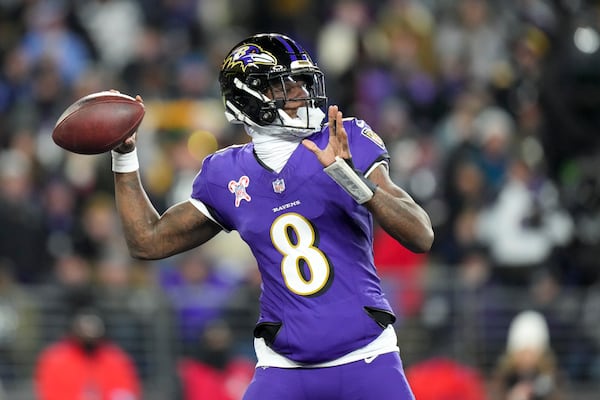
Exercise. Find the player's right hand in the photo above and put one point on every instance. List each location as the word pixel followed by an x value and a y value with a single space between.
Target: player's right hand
pixel 128 144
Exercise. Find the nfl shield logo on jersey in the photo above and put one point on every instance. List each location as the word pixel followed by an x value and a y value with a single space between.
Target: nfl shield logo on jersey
pixel 278 185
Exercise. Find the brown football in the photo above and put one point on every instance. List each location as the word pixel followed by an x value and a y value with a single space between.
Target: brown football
pixel 98 122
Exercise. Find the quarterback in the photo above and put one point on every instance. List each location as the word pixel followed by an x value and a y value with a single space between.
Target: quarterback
pixel 304 194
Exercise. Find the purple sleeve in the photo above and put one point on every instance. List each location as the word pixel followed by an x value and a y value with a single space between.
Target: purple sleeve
pixel 366 146
pixel 201 192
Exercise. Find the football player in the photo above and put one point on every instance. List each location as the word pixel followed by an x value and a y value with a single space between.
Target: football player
pixel 302 194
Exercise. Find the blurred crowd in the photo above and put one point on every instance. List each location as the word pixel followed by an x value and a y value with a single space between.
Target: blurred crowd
pixel 487 107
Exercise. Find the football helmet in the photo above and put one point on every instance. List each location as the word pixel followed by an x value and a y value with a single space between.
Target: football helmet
pixel 254 78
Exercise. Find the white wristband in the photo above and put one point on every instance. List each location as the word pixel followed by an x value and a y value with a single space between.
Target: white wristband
pixel 125 162
pixel 354 184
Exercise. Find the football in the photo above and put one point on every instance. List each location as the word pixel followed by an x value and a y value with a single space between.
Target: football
pixel 98 122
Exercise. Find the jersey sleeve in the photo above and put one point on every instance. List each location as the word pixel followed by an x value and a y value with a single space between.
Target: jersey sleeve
pixel 367 148
pixel 202 197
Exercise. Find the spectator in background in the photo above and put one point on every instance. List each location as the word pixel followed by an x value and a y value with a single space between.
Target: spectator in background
pixel 401 272
pixel 115 45
pixel 465 194
pixel 18 326
pixel 59 202
pixel 338 46
pixel 198 293
pixel 471 40
pixel 410 63
pixel 463 185
pixel 114 299
pixel 528 369
pixel 85 365
pixel 15 83
pixel 137 315
pixel 563 311
pixel 494 131
pixel 525 226
pixel 21 219
pixel 99 237
pixel 213 371
pixel 580 186
pixel 242 312
pixel 464 312
pixel 443 378
pixel 148 70
pixel 591 326
pixel 69 287
pixel 49 36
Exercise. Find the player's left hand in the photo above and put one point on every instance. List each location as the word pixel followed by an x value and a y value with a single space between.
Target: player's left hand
pixel 338 140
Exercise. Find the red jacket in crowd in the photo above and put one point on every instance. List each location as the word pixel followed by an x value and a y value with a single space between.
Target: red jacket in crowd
pixel 66 371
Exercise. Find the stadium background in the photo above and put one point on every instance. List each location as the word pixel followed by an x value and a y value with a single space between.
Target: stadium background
pixel 488 108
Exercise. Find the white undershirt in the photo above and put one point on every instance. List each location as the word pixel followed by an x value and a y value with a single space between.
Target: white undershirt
pixel 387 342
pixel 273 151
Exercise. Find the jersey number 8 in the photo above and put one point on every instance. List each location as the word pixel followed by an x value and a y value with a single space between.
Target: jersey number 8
pixel 294 237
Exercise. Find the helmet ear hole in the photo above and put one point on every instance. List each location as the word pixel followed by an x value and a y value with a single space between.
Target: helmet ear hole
pixel 267 116
pixel 255 83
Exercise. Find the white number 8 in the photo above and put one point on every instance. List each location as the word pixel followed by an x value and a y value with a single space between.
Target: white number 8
pixel 302 250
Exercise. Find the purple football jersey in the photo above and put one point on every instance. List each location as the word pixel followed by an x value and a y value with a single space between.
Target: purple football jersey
pixel 311 240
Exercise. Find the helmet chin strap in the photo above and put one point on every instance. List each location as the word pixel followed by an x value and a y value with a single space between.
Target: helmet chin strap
pixel 309 119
